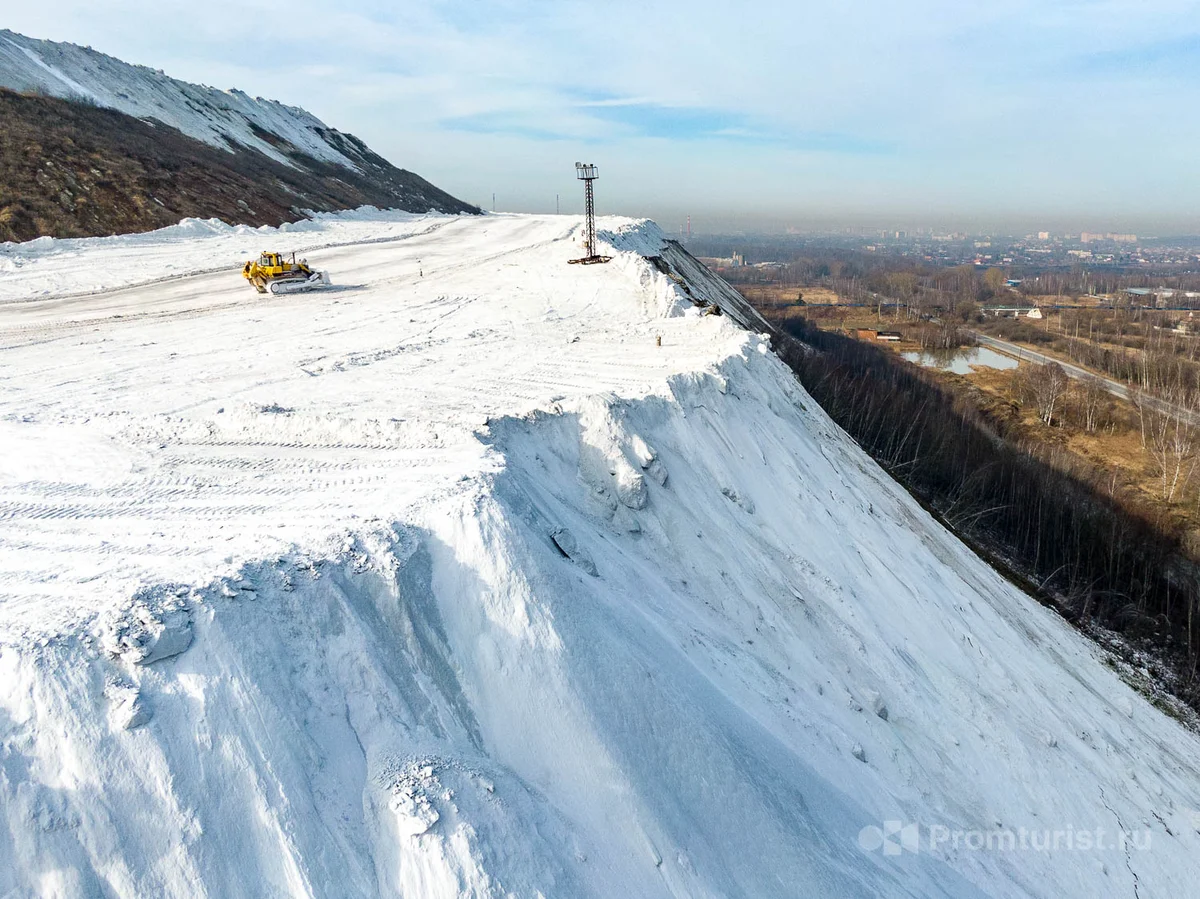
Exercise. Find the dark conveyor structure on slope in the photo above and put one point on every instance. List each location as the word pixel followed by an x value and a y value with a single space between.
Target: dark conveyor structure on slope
pixel 588 173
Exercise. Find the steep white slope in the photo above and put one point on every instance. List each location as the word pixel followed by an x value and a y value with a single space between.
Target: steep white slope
pixel 456 583
pixel 223 119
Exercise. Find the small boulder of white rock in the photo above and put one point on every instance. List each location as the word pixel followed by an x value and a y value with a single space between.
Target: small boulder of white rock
pixel 878 705
pixel 631 485
pixel 643 452
pixel 147 633
pixel 570 547
pixel 745 502
pixel 126 709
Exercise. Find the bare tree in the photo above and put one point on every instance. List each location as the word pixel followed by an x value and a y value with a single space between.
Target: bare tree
pixel 993 280
pixel 1092 398
pixel 1046 385
pixel 1171 440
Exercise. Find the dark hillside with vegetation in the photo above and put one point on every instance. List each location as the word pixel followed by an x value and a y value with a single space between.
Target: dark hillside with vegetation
pixel 69 169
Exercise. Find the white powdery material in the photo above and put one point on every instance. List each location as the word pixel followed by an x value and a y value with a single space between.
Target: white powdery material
pixel 47 267
pixel 385 591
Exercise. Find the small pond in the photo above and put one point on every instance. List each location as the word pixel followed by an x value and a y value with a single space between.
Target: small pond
pixel 962 360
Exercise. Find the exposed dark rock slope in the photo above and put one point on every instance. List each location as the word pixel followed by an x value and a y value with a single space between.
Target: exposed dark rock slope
pixel 68 169
pixel 91 145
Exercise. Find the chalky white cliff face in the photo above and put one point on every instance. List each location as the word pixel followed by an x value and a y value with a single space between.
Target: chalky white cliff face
pixel 453 581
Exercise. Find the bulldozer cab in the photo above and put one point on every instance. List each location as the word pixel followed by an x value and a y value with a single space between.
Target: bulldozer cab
pixel 275 263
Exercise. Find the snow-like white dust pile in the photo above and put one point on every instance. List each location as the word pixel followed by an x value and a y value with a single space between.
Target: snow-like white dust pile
pixel 491 575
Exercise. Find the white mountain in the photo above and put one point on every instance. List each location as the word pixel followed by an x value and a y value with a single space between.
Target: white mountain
pixel 492 575
pixel 226 119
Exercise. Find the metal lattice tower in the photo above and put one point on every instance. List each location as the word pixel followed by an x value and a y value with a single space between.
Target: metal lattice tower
pixel 587 173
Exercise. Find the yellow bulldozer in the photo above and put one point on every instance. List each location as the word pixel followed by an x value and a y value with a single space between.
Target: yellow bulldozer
pixel 271 273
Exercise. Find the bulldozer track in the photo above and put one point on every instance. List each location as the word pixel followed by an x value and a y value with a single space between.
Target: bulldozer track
pixel 219 269
pixel 57 327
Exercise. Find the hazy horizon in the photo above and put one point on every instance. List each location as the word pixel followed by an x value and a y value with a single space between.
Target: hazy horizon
pixel 867 224
pixel 1061 116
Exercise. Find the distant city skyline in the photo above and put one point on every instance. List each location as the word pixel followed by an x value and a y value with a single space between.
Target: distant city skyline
pixel 1018 115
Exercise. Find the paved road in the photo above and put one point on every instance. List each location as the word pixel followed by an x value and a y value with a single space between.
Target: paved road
pixel 1116 388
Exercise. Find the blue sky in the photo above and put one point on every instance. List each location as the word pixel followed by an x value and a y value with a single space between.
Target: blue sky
pixel 911 112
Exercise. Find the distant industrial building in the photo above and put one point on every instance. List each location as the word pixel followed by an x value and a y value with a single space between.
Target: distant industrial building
pixel 737 260
pixel 1013 311
pixel 1162 296
pixel 1090 237
pixel 872 334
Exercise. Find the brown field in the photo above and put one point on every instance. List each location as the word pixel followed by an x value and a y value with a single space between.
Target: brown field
pixel 1115 450
pixel 787 294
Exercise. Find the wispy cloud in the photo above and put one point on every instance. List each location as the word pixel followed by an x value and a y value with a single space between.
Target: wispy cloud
pixel 499 123
pixel 579 114
pixel 779 104
pixel 674 122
